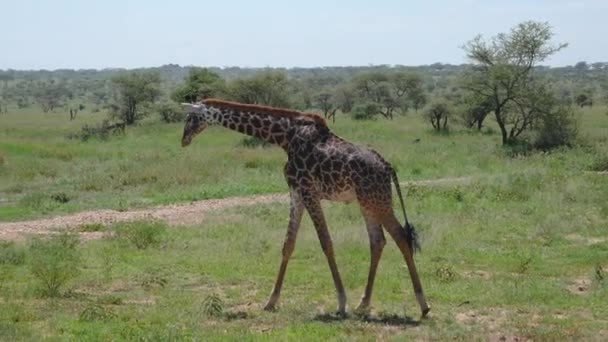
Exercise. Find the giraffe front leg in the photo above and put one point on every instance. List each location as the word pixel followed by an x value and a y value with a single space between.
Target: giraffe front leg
pixel 313 206
pixel 295 217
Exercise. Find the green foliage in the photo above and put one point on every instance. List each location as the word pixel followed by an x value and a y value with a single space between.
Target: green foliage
pixel 212 306
pixel 503 70
pixel 266 88
pixel 11 254
pixel 584 99
pixel 54 261
pixel 600 163
pixel 438 114
pixel 135 92
pixel 101 131
pixel 51 94
pixel 170 112
pixel 366 111
pixel 201 83
pixel 141 234
pixel 558 127
pixel 95 312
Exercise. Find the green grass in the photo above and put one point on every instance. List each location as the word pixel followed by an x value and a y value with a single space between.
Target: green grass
pixel 520 251
pixel 148 167
pixel 501 257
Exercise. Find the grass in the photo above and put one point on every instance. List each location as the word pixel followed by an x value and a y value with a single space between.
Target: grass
pixel 44 173
pixel 513 256
pixel 520 251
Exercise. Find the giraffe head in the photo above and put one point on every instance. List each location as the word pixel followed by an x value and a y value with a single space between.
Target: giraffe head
pixel 196 121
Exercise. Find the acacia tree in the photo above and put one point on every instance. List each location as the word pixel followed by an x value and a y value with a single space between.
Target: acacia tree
pixel 51 94
pixel 134 92
pixel 475 110
pixel 326 101
pixel 503 66
pixel 200 84
pixel 266 88
pixel 438 114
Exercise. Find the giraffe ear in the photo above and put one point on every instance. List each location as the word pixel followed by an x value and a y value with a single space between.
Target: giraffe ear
pixel 191 108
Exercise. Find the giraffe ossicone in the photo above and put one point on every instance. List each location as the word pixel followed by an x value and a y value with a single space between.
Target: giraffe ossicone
pixel 320 166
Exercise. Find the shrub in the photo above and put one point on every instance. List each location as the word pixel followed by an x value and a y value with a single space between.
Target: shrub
pixel 365 111
pixel 54 262
pixel 95 312
pixel 212 306
pixel 141 234
pixel 60 197
pixel 102 131
pixel 557 128
pixel 600 164
pixel 170 112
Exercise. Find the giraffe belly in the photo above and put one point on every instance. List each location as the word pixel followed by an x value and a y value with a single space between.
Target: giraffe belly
pixel 344 196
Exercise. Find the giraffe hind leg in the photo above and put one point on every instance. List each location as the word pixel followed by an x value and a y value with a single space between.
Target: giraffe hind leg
pixel 398 233
pixel 376 244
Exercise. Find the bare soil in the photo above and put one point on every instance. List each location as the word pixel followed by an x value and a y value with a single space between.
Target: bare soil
pixel 174 214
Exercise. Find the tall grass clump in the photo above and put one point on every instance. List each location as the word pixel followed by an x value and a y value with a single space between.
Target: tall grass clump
pixel 141 234
pixel 54 262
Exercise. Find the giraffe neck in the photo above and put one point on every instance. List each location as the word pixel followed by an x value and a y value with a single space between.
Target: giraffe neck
pixel 268 128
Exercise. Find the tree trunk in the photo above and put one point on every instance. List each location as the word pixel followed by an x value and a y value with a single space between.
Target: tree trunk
pixel 501 124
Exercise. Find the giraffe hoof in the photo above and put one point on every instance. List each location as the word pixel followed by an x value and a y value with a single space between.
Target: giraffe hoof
pixel 270 307
pixel 341 314
pixel 362 310
pixel 425 311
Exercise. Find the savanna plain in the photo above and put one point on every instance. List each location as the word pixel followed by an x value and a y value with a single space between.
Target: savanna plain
pixel 513 244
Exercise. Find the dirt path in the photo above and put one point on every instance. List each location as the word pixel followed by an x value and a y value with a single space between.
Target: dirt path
pixel 175 214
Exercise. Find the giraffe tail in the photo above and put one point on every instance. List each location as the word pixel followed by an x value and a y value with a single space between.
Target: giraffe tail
pixel 411 236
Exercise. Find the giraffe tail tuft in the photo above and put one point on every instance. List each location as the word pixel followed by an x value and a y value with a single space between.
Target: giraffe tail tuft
pixel 411 237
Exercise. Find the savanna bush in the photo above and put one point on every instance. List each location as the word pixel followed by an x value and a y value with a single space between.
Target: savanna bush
pixel 170 112
pixel 54 261
pixel 365 111
pixel 557 128
pixel 141 234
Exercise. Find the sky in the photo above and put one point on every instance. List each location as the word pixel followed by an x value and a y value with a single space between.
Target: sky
pixel 80 34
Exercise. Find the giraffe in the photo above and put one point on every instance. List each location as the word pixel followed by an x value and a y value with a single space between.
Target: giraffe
pixel 320 166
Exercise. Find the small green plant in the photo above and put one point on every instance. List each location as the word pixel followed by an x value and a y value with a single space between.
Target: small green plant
pixel 600 274
pixel 445 273
pixel 524 265
pixel 60 197
pixel 253 142
pixel 54 262
pixel 600 164
pixel 90 227
pixel 212 306
pixel 152 279
pixel 11 254
pixel 141 234
pixel 95 312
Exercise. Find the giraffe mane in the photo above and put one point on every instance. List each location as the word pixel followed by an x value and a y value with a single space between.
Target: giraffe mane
pixel 272 111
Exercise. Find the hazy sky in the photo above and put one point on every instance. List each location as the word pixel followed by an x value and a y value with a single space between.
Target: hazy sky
pixel 55 34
